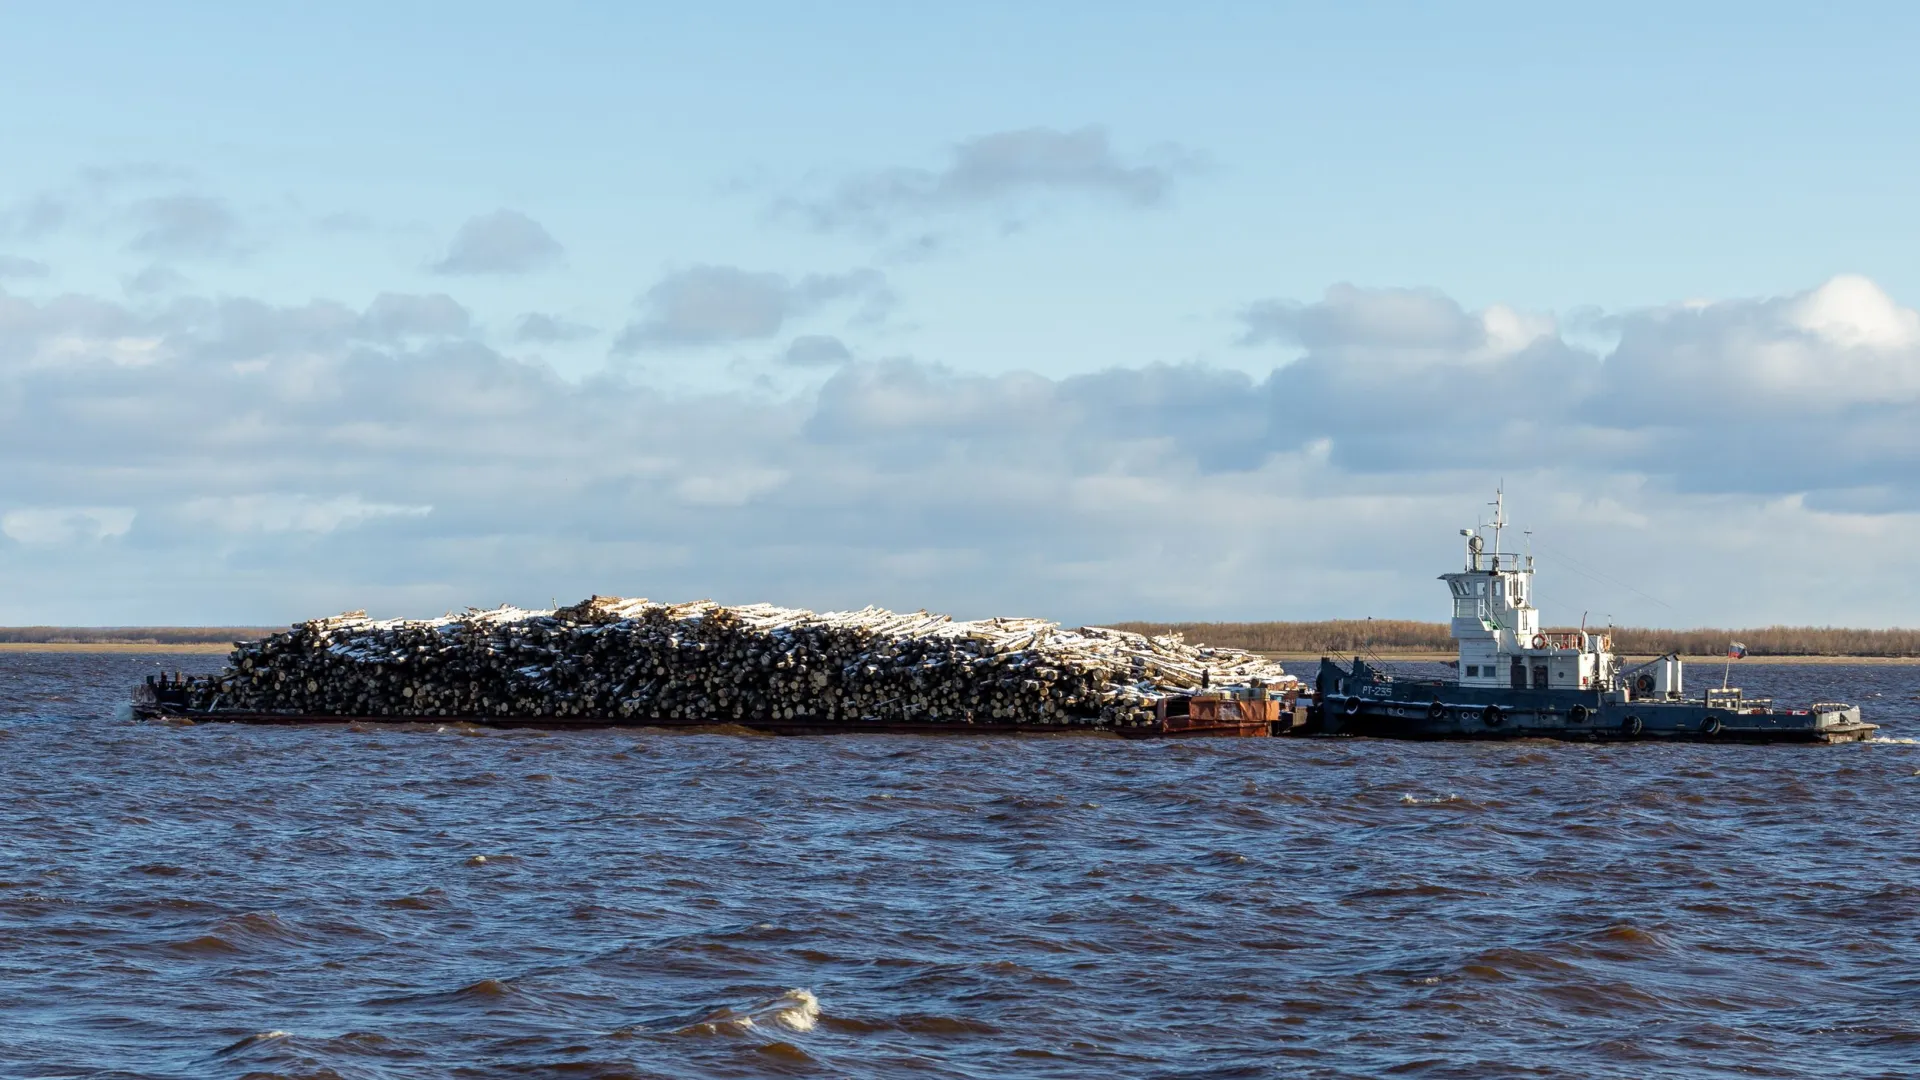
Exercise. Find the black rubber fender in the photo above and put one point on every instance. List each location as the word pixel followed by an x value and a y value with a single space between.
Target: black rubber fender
pixel 1577 714
pixel 1631 727
pixel 1352 707
pixel 1436 712
pixel 1492 716
pixel 1710 726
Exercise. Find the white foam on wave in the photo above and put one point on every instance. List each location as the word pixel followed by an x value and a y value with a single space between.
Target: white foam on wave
pixel 253 1040
pixel 1414 800
pixel 795 1010
pixel 1893 741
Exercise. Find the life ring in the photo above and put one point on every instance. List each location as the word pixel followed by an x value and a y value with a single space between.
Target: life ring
pixel 1577 714
pixel 1710 726
pixel 1353 706
pixel 1643 685
pixel 1436 711
pixel 1492 717
pixel 1539 641
pixel 1631 727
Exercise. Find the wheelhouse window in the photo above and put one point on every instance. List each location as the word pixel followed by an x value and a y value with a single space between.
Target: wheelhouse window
pixel 1473 671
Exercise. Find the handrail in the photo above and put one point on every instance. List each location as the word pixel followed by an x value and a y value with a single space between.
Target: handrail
pixel 1572 639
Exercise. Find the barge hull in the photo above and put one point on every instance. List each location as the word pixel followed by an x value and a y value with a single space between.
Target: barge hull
pixel 796 726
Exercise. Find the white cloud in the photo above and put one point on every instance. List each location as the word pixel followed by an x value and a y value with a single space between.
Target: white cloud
pixel 376 458
pixel 712 305
pixel 277 513
pixel 15 266
pixel 735 488
pixel 503 242
pixel 64 525
pixel 1004 171
pixel 184 226
pixel 1851 310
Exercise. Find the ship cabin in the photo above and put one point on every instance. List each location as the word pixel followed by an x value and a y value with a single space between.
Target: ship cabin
pixel 1498 630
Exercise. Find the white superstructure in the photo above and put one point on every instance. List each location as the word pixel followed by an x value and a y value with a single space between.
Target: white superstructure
pixel 1498 628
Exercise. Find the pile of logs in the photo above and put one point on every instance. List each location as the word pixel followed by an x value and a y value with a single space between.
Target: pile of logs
pixel 635 660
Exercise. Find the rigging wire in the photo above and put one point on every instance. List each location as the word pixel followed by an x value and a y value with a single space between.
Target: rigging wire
pixel 1591 574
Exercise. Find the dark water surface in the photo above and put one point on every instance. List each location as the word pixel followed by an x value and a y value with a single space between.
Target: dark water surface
pixel 224 901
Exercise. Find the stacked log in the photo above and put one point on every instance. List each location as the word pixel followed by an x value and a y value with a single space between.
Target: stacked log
pixel 637 661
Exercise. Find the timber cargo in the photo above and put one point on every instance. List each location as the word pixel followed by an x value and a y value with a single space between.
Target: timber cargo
pixel 608 661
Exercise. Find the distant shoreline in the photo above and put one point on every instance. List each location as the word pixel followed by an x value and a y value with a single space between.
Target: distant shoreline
pixel 115 647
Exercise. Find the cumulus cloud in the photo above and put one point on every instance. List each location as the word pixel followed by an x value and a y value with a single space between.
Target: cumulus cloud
pixel 35 217
pixel 1392 326
pixel 1776 395
pixel 398 315
pixel 183 226
pixel 816 350
pixel 267 461
pixel 539 328
pixel 14 266
pixel 275 512
pixel 60 525
pixel 999 170
pixel 503 242
pixel 712 305
pixel 154 280
pixel 343 221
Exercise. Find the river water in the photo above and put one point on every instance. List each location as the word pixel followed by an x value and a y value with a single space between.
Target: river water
pixel 332 901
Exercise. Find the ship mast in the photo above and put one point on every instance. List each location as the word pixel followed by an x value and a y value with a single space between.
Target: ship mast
pixel 1499 521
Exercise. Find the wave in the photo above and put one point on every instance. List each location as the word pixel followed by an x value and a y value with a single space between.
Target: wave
pixel 796 1010
pixel 241 933
pixel 252 1041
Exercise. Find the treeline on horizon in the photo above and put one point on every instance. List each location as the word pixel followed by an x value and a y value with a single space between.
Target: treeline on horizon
pixel 1338 637
pixel 131 635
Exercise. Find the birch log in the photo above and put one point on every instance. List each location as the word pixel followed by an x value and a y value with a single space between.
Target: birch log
pixel 631 661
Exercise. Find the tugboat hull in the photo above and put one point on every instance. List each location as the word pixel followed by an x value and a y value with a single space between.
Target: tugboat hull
pixel 1360 702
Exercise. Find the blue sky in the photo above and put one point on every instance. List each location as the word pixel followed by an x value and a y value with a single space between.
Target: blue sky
pixel 988 309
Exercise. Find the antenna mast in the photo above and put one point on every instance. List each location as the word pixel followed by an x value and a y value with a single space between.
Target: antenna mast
pixel 1499 521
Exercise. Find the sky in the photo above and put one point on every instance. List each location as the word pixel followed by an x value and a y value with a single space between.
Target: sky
pixel 1093 312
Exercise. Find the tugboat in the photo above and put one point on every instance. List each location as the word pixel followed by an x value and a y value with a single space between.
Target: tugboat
pixel 1515 681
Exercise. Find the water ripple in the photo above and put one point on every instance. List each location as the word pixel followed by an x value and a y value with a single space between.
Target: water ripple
pixel 430 900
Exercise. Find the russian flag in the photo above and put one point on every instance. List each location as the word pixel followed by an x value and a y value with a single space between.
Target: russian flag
pixel 1736 650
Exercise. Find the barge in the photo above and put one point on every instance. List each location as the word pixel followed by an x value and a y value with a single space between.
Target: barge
pixel 610 662
pixel 1229 712
pixel 613 662
pixel 1513 680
